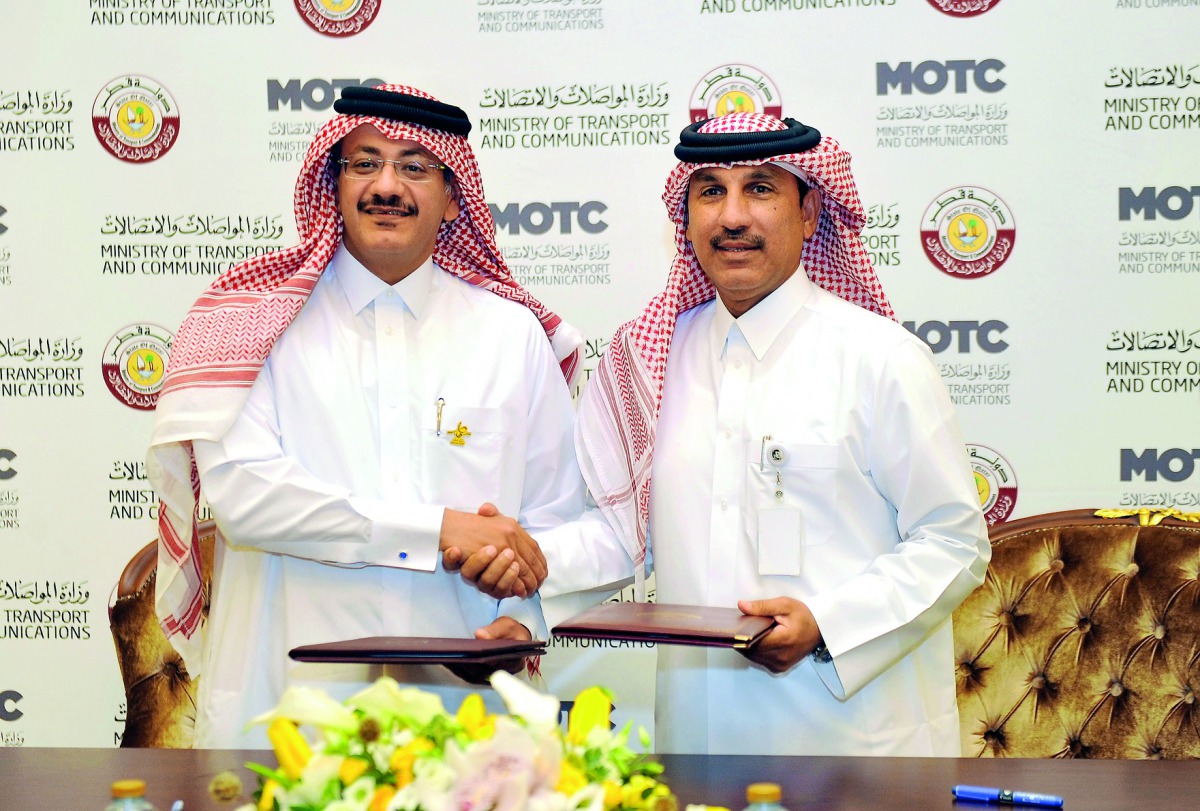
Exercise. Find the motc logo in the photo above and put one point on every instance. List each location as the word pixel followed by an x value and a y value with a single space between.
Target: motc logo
pixel 940 335
pixel 7 471
pixel 1172 203
pixel 313 94
pixel 1173 464
pixel 931 77
pixel 538 218
pixel 8 705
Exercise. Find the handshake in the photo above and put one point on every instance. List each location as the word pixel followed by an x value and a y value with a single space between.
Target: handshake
pixel 502 560
pixel 493 552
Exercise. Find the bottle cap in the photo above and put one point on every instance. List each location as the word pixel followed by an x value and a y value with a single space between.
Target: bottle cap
pixel 763 793
pixel 128 788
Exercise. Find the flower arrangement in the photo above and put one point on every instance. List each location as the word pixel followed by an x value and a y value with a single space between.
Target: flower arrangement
pixel 390 748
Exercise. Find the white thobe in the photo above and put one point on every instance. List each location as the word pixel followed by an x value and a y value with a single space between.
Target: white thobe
pixel 331 485
pixel 883 531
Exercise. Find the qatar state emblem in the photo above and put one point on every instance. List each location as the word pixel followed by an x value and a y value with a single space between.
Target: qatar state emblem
pixel 135 119
pixel 964 8
pixel 735 89
pixel 338 18
pixel 968 232
pixel 995 482
pixel 134 362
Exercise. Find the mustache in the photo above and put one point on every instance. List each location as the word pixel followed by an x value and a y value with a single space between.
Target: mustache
pixel 748 240
pixel 392 201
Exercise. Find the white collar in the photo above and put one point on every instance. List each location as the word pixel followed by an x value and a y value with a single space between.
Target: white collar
pixel 763 322
pixel 362 287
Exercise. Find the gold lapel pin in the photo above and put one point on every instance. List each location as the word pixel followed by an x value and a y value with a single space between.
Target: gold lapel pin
pixel 459 434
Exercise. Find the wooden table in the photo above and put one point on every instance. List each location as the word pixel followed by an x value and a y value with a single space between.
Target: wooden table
pixel 78 780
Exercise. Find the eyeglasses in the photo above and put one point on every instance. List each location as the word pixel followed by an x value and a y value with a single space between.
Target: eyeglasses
pixel 410 170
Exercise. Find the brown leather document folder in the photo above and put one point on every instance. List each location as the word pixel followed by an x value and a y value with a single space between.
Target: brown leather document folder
pixel 418 650
pixel 668 624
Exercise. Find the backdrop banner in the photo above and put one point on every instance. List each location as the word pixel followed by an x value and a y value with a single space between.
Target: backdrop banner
pixel 1030 170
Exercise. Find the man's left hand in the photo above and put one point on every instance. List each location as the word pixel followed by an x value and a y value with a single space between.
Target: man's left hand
pixel 794 636
pixel 499 628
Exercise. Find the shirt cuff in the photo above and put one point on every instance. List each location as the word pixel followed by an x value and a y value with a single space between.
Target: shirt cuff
pixel 405 537
pixel 528 612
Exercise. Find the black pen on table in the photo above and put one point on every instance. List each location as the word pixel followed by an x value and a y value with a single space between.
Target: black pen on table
pixel 984 794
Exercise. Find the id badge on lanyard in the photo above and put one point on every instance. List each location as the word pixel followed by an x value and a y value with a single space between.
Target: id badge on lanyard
pixel 780 528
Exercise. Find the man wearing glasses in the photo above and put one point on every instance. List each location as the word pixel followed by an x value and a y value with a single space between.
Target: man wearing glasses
pixel 346 407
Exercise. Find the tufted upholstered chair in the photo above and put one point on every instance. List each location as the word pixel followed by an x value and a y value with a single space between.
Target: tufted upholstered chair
pixel 1084 640
pixel 160 705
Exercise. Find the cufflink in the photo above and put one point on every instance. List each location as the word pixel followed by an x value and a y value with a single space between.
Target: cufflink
pixel 821 653
pixel 403 556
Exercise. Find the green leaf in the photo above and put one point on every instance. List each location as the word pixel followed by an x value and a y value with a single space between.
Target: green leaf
pixel 271 774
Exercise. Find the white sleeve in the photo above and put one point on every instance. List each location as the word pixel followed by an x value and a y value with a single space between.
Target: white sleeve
pixel 919 463
pixel 553 491
pixel 585 555
pixel 264 499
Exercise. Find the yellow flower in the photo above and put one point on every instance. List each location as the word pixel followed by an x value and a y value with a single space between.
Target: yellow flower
pixel 645 793
pixel 352 769
pixel 405 756
pixel 570 779
pixel 473 715
pixel 590 712
pixel 383 795
pixel 612 795
pixel 266 801
pixel 290 747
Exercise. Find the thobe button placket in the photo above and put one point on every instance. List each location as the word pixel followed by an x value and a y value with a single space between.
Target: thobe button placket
pixel 392 371
pixel 396 426
pixel 727 476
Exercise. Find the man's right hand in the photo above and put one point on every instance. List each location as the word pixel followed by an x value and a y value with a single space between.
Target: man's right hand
pixel 493 552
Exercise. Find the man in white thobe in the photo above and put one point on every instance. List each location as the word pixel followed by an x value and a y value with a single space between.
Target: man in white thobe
pixel 344 443
pixel 780 444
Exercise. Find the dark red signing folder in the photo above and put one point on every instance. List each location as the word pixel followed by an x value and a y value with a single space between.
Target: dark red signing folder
pixel 419 650
pixel 668 624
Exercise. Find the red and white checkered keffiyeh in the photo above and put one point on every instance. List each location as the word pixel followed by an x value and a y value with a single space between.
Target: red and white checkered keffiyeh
pixel 228 334
pixel 619 410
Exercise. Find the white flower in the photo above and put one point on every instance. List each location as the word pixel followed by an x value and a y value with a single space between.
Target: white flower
pixel 381 751
pixel 435 774
pixel 551 801
pixel 385 701
pixel 304 705
pixel 319 772
pixel 588 798
pixel 408 799
pixel 346 804
pixel 539 710
pixel 359 792
pixel 500 773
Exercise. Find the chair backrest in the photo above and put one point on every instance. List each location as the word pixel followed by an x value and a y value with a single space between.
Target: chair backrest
pixel 160 696
pixel 1084 640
